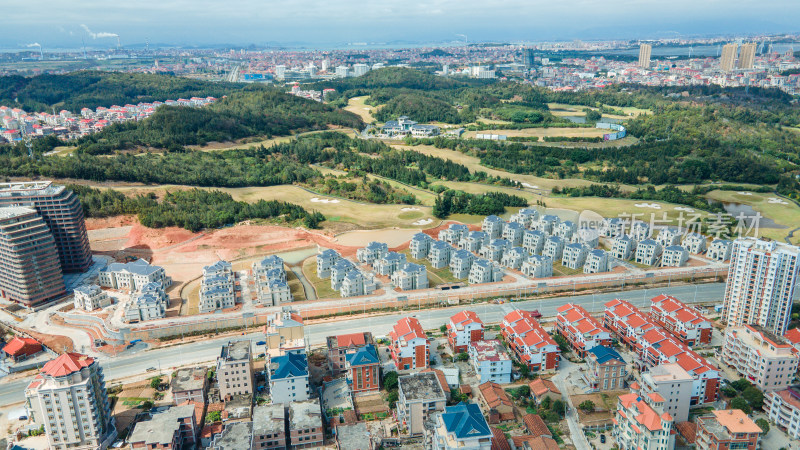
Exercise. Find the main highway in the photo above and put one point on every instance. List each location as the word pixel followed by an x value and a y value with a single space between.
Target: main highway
pixel 167 357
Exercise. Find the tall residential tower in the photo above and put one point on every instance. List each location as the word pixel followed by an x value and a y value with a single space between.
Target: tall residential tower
pixel 644 55
pixel 728 57
pixel 747 56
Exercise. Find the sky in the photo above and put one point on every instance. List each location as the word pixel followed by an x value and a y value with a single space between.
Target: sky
pixel 327 23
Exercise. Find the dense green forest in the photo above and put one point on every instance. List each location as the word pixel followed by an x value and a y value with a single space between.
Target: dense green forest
pixel 193 209
pixel 459 202
pixel 90 89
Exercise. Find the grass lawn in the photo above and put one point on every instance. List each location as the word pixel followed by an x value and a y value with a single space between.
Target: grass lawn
pixel 322 287
pixel 295 286
pixel 192 290
pixel 561 270
pixel 435 276
pixel 785 215
pixel 357 106
pixel 542 132
pixel 424 197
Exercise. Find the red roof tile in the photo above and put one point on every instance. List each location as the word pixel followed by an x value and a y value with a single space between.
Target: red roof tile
pixel 66 364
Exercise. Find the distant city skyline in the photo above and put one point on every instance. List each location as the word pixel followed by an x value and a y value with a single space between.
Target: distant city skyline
pixel 325 24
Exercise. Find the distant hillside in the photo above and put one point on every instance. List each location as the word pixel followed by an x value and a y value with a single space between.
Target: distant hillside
pixel 90 89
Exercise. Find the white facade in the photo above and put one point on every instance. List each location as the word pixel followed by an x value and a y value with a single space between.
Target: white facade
pixel 473 241
pixel 420 245
pixel 133 275
pixel 546 223
pixel 525 217
pixel 783 409
pixel 90 297
pixel 674 385
pixel 217 287
pixel 720 250
pixel 674 256
pixel 490 361
pixel 148 304
pixel 533 241
pixel 669 236
pixel 390 263
pixel 493 226
pixel 648 252
pixel 460 263
pixel 325 261
pixel 596 261
pixel 553 248
pixel 694 243
pixel 483 271
pixel 411 276
pixel 623 247
pixel 356 283
pixel 574 256
pixel 453 234
pixel 439 254
pixel 494 250
pixel 767 361
pixel 372 252
pixel 513 232
pixel 513 258
pixel 536 266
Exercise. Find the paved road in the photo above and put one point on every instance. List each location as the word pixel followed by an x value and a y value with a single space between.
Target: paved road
pixel 207 350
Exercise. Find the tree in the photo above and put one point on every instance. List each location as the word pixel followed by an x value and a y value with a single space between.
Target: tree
pixel 562 343
pixel 740 403
pixel 523 391
pixel 463 356
pixel 213 416
pixel 443 328
pixel 754 397
pixel 763 424
pixel 546 403
pixel 587 406
pixel 559 407
pixel 390 380
pixel 729 392
pixel 741 384
pixel 155 382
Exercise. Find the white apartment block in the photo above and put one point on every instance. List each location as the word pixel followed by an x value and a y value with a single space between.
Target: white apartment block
pixel 694 243
pixel 768 361
pixel 760 287
pixel 90 297
pixel 648 252
pixel 411 276
pixel 587 236
pixel 460 263
pixel 453 234
pixel 546 223
pixel 439 254
pixel 674 256
pixel 275 293
pixel 553 248
pixel 490 361
pixel 720 250
pixel 372 252
pixel 783 409
pixel 574 256
pixel 483 271
pixel 565 230
pixel 420 245
pixel 513 232
pixel 391 262
pixel 596 261
pixel 70 401
pixel 473 241
pixel 525 217
pixel 493 226
pixel 217 290
pixel 338 271
pixel 641 423
pixel 669 236
pixel 612 227
pixel 513 258
pixel 533 241
pixel 640 231
pixel 494 250
pixel 325 261
pixel 537 266
pixel 623 247
pixel 674 385
pixel 356 283
pixel 133 275
pixel 288 378
pixel 148 304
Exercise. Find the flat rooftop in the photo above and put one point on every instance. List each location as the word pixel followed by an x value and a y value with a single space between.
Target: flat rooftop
pixel 268 419
pixel 9 212
pixel 421 386
pixel 235 436
pixel 353 436
pixel 236 351
pixel 305 414
pixel 161 427
pixel 190 379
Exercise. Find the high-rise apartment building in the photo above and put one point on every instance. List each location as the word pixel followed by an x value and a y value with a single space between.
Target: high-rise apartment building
pixel 728 57
pixel 747 56
pixel 644 55
pixel 528 58
pixel 760 287
pixel 235 370
pixel 69 399
pixel 31 270
pixel 62 212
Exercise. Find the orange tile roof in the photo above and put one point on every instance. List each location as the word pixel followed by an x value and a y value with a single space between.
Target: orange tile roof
pixel 793 336
pixel 535 425
pixel 466 318
pixel 540 386
pixel 21 346
pixel 499 440
pixel 736 421
pixel 350 340
pixel 66 364
pixel 494 395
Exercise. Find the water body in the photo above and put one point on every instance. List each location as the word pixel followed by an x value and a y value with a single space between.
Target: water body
pixel 750 215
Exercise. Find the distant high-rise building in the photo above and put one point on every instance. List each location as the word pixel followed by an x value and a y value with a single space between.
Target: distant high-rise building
pixel 445 70
pixel 70 401
pixel 62 212
pixel 280 72
pixel 326 64
pixel 728 57
pixel 760 286
pixel 746 56
pixel 342 71
pixel 360 69
pixel 644 55
pixel 527 58
pixel 31 272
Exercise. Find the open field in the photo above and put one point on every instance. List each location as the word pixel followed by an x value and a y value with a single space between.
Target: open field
pixel 357 106
pixel 321 287
pixel 541 132
pixel 787 215
pixel 562 109
pixel 255 142
pixel 424 197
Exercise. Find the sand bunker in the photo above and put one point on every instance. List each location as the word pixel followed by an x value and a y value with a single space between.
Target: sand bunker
pixel 745 193
pixel 648 205
pixel 684 209
pixel 422 222
pixel 409 209
pixel 324 200
pixel 776 201
pixel 531 186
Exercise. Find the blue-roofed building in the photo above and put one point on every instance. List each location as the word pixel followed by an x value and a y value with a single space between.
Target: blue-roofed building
pixel 494 250
pixel 391 262
pixel 473 241
pixel 133 275
pixel 325 261
pixel 363 370
pixel 460 263
pixel 607 369
pixel 372 252
pixel 596 261
pixel 462 427
pixel 419 245
pixel 288 378
pixel 453 234
pixel 493 226
pixel 439 254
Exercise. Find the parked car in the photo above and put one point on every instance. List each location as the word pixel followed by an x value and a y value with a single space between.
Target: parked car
pixel 602 438
pixel 536 314
pixel 151 369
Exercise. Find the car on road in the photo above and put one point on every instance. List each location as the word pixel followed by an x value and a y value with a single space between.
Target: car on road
pixel 536 314
pixel 261 343
pixel 602 438
pixel 151 369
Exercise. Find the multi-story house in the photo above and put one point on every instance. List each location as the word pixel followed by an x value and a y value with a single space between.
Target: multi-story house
pixel 411 276
pixel 525 217
pixel 234 435
pixel 495 249
pixel 596 261
pixel 648 252
pixel 269 427
pixel 339 346
pixel 694 243
pixel 325 261
pixel 265 267
pixel 529 342
pixel 669 236
pixel 288 378
pixel 453 234
pixel 390 263
pixel 626 322
pixel 357 283
pixel 761 280
pixel 306 429
pixel 217 287
pixel 623 247
pixel 640 231
pixel 536 266
pixel 172 428
pixel 546 223
pixel 490 361
pixel 674 385
pixel 274 293
pixel 420 245
pixel 493 226
pixel 512 232
pixel 684 322
pixel 553 248
pixel 587 236
pixel 460 263
pixel 90 297
pixel 612 227
pixel 338 271
pixel 235 370
pixel 606 370
pixel 565 230
pixel 473 241
pixel 69 400
pixel 727 429
pixel 767 360
pixel 783 409
pixel 148 304
pixel 674 256
pixel 362 368
pixel 133 275
pixel 372 252
pixel 463 329
pixel 409 347
pixel 284 332
pixel 439 254
pixel 462 427
pixel 419 396
pixel 641 423
pixel 582 331
pixel 189 384
pixel 533 241
pixel 484 271
pixel 574 256
pixel 514 257
pixel 720 250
